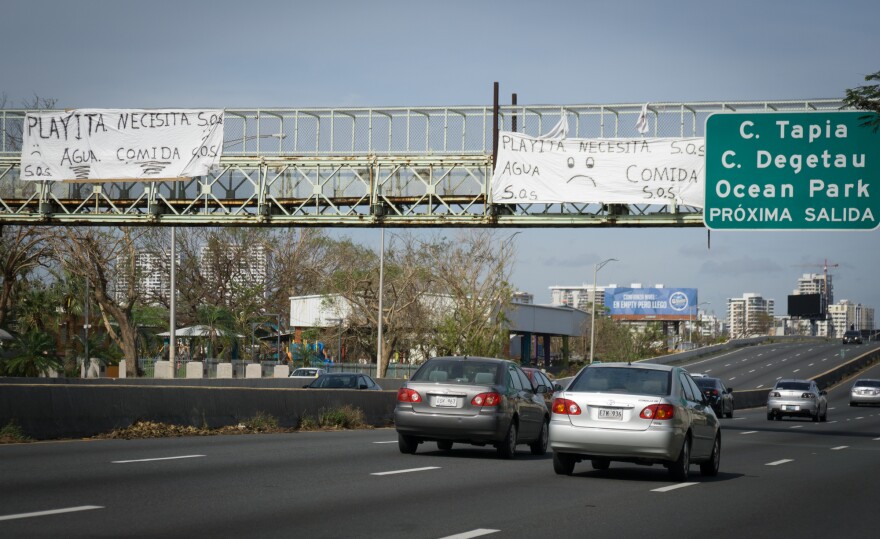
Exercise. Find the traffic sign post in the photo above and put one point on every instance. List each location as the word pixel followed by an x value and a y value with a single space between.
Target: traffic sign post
pixel 792 171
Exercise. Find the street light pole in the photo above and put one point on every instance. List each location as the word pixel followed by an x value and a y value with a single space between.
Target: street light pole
pixel 596 268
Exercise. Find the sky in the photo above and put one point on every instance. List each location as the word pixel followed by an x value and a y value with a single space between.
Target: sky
pixel 288 54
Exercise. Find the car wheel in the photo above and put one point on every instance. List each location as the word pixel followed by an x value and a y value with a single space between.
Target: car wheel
pixel 563 464
pixel 710 467
pixel 407 444
pixel 852 404
pixel 507 448
pixel 730 412
pixel 444 445
pixel 815 418
pixel 824 417
pixel 769 416
pixel 600 464
pixel 539 446
pixel 680 468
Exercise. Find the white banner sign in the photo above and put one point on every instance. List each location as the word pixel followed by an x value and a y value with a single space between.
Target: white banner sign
pixel 605 171
pixel 120 144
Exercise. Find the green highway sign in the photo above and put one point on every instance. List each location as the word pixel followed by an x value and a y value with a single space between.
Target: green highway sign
pixel 792 171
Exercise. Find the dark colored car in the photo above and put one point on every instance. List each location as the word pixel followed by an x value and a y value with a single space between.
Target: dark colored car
pixel 719 397
pixel 344 380
pixel 538 378
pixel 852 337
pixel 472 400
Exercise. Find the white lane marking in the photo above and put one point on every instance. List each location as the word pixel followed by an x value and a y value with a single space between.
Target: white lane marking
pixel 796 370
pixel 767 365
pixel 830 422
pixel 749 432
pixel 740 418
pixel 473 533
pixel 877 439
pixel 51 512
pixel 426 468
pixel 152 460
pixel 673 487
pixel 728 365
pixel 779 378
pixel 751 371
pixel 796 427
pixel 861 417
pixel 825 359
pixel 811 364
pixel 708 370
pixel 810 350
pixel 732 378
pixel 838 448
pixel 391 442
pixel 778 462
pixel 760 386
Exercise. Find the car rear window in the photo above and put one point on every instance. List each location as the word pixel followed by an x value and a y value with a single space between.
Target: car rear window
pixel 456 371
pixel 705 383
pixel 797 386
pixel 622 380
pixel 867 383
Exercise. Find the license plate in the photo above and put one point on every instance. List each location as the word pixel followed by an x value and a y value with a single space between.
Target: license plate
pixel 791 408
pixel 445 401
pixel 606 413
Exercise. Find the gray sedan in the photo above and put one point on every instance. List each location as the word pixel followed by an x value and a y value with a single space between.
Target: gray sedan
pixel 472 400
pixel 644 414
pixel 865 391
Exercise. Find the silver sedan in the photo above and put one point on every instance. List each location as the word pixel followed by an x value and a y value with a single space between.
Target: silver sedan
pixel 797 398
pixel 865 391
pixel 644 414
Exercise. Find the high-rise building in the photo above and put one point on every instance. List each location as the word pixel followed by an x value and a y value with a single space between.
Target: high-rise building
pixel 152 281
pixel 816 283
pixel 749 316
pixel 234 265
pixel 578 297
pixel 846 315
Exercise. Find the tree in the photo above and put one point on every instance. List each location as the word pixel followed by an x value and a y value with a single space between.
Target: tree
pixel 33 354
pixel 22 250
pixel 471 292
pixel 866 97
pixel 102 256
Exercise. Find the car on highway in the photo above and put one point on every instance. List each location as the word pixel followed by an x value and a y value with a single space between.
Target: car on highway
pixel 719 397
pixel 793 397
pixel 471 400
pixel 307 372
pixel 643 414
pixel 344 380
pixel 864 391
pixel 852 337
pixel 538 378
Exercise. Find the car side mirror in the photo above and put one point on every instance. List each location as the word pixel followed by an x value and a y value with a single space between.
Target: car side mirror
pixel 362 386
pixel 557 387
pixel 306 386
pixel 823 392
pixel 541 389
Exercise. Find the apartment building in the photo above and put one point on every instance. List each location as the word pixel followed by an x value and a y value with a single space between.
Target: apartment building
pixel 750 316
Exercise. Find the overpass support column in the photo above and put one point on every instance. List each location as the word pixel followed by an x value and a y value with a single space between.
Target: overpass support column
pixel 566 351
pixel 526 348
pixel 546 339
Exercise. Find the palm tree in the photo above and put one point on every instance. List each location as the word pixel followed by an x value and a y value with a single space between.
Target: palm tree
pixel 33 354
pixel 221 324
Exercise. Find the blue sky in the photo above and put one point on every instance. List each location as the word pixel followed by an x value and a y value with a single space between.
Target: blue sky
pixel 234 54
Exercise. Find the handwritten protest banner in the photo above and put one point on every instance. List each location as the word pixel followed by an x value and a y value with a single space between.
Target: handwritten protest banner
pixel 607 171
pixel 120 144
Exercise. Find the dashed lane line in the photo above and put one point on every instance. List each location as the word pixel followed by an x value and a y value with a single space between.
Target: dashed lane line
pixel 410 470
pixel 153 460
pixel 838 448
pixel 778 462
pixel 796 427
pixel 51 512
pixel 389 442
pixel 749 432
pixel 473 533
pixel 673 487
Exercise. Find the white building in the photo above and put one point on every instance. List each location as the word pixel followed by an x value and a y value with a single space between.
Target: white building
pixel 152 281
pixel 241 265
pixel 579 297
pixel 746 315
pixel 816 283
pixel 846 314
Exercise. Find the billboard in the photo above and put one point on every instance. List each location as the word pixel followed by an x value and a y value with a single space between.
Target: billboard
pixel 651 303
pixel 806 306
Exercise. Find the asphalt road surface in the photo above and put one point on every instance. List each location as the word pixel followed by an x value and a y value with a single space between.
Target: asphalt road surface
pixel 792 478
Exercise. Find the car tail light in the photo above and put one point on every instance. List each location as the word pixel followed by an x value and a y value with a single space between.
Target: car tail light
pixel 658 412
pixel 808 396
pixel 715 392
pixel 487 399
pixel 565 406
pixel 408 395
pixel 775 394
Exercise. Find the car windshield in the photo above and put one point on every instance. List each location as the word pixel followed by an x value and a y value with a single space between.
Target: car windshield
pixel 705 383
pixel 868 383
pixel 796 386
pixel 852 333
pixel 330 381
pixel 622 380
pixel 454 371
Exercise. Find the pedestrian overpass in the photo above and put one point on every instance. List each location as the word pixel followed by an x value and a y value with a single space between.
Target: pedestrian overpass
pixel 363 167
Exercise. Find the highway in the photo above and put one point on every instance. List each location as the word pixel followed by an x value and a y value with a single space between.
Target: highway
pixel 785 479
